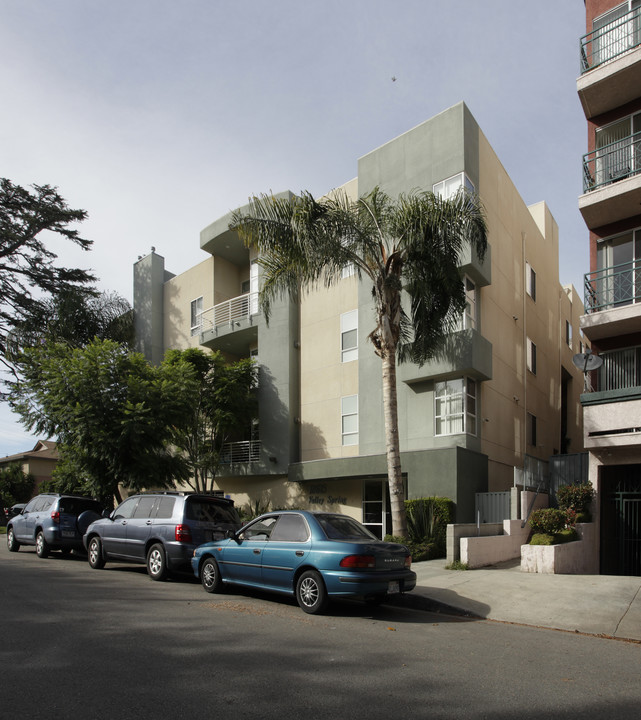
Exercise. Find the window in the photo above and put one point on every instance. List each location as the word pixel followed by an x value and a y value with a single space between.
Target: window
pixel 349 419
pixel 260 529
pixel 617 149
pixel 125 509
pixel 455 407
pixel 377 515
pixel 531 429
pixel 467 321
pixel 349 336
pixel 531 356
pixel 618 277
pixel 290 528
pixel 530 281
pixel 568 333
pixel 145 507
pixel 614 33
pixel 448 188
pixel 348 270
pixel 196 316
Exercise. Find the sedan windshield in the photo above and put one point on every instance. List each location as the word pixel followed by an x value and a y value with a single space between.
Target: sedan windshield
pixel 341 527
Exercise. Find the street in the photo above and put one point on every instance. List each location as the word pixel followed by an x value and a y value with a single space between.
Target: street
pixel 112 643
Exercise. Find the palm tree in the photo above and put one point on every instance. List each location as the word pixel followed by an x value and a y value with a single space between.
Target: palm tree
pixel 409 249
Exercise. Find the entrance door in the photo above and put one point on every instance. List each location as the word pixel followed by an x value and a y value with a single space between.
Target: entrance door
pixel 621 520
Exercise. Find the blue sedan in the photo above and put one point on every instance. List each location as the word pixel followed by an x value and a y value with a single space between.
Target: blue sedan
pixel 314 556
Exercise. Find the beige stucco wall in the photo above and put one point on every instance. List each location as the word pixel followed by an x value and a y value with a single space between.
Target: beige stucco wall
pixel 324 378
pixel 520 235
pixel 178 294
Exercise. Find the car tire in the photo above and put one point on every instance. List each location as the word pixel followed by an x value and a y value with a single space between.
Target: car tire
pixel 311 594
pixel 42 546
pixel 12 543
pixel 157 562
pixel 94 553
pixel 210 576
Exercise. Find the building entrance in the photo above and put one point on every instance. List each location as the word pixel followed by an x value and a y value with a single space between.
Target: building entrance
pixel 621 520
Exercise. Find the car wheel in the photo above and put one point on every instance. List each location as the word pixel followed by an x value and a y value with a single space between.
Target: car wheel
pixel 94 554
pixel 210 576
pixel 311 594
pixel 12 543
pixel 42 546
pixel 157 562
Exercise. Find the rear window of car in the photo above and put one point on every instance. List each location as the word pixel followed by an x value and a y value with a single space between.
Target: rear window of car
pixel 76 506
pixel 211 511
pixel 341 527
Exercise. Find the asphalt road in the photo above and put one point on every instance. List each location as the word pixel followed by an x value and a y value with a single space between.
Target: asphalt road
pixel 83 643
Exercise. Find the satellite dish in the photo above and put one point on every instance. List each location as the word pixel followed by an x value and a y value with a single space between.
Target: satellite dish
pixel 587 361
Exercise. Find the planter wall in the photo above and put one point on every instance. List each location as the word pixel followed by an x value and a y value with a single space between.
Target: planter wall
pixel 574 558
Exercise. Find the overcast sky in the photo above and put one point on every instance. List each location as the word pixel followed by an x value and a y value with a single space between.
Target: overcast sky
pixel 157 117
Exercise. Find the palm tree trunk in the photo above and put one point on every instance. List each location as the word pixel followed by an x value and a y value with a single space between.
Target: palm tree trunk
pixel 395 477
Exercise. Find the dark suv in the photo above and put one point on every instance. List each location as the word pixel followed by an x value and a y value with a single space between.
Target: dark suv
pixel 52 522
pixel 159 529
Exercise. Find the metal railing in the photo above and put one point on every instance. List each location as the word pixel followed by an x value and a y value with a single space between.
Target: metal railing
pixel 243 451
pixel 229 311
pixel 618 160
pixel 621 369
pixel 613 287
pixel 610 41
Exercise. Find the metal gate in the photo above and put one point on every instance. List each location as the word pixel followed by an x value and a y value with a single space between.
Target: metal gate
pixel 492 507
pixel 621 520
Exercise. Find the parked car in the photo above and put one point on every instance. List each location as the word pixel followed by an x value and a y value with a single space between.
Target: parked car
pixel 314 556
pixel 14 510
pixel 52 522
pixel 160 530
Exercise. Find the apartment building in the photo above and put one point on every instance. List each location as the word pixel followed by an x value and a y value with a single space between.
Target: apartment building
pixel 610 92
pixel 503 396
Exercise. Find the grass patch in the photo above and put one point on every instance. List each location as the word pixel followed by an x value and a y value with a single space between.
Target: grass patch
pixel 564 536
pixel 457 565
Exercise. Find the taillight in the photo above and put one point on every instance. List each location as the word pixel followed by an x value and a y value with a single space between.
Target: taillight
pixel 183 533
pixel 408 561
pixel 55 516
pixel 358 561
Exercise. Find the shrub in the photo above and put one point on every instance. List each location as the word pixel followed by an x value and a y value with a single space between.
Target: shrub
pixel 418 550
pixel 548 520
pixel 575 497
pixel 563 536
pixel 427 520
pixel 457 565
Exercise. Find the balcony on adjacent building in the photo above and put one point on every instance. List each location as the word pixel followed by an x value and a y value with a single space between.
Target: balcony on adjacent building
pixel 230 325
pixel 611 62
pixel 242 451
pixel 612 301
pixel 612 181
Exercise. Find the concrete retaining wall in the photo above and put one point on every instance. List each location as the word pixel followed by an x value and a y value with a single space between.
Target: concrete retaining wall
pixel 482 551
pixel 574 558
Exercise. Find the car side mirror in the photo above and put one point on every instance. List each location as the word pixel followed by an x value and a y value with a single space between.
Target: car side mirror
pixel 106 513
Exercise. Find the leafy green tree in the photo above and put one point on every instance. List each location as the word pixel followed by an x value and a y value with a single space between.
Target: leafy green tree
pixel 223 405
pixel 112 413
pixel 15 485
pixel 28 272
pixel 75 317
pixel 408 249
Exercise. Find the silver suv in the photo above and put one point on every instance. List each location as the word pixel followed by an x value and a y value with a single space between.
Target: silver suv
pixel 52 522
pixel 160 530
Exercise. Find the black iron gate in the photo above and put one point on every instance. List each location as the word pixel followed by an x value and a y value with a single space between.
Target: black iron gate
pixel 621 520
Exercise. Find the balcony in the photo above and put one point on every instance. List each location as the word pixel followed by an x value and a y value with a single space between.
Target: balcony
pixel 230 325
pixel 611 297
pixel 611 182
pixel 243 451
pixel 611 65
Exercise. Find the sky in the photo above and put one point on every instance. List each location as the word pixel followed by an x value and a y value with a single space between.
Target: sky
pixel 157 117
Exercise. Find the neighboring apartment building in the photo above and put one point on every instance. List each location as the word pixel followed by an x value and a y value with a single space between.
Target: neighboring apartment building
pixel 610 92
pixel 503 395
pixel 39 462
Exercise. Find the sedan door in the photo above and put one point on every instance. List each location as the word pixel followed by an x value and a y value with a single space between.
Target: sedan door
pixel 288 547
pixel 241 561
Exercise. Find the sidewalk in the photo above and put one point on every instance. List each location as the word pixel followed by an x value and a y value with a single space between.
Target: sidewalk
pixel 593 604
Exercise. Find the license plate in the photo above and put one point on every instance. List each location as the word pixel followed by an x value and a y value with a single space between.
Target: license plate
pixel 68 533
pixel 393 587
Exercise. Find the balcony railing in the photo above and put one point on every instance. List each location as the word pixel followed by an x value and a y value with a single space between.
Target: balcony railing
pixel 229 311
pixel 243 451
pixel 621 370
pixel 611 41
pixel 613 287
pixel 613 162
